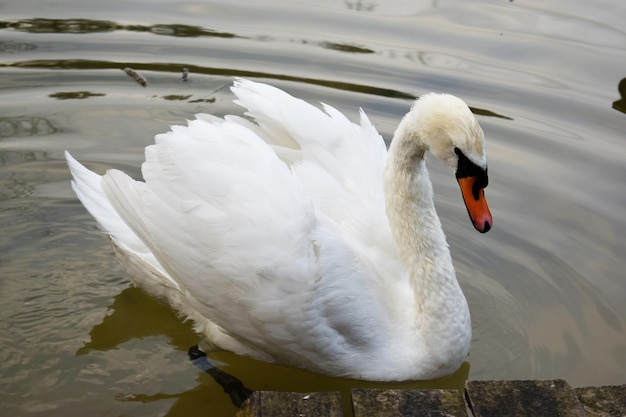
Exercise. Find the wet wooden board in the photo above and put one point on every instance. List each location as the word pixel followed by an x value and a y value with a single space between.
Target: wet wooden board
pixel 408 403
pixel 553 398
pixel 609 401
pixel 292 404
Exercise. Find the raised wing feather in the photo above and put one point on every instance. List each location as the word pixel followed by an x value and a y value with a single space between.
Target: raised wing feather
pixel 340 167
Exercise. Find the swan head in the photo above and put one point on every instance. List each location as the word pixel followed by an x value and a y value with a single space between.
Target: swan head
pixel 444 124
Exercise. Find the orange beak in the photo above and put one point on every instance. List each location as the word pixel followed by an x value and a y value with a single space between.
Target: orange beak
pixel 476 204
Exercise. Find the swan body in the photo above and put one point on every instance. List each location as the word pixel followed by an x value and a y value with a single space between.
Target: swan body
pixel 293 236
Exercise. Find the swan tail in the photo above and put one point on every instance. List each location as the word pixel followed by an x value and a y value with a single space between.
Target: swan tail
pixel 95 193
pixel 88 188
pixel 134 255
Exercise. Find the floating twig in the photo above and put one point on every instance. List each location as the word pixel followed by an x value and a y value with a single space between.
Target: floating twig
pixel 140 79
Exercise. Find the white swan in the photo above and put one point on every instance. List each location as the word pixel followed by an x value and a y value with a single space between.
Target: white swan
pixel 298 238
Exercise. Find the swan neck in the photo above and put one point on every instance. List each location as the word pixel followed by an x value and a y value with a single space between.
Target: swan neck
pixel 409 202
pixel 413 220
pixel 440 308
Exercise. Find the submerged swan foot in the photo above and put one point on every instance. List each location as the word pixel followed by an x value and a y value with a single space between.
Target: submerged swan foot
pixel 232 386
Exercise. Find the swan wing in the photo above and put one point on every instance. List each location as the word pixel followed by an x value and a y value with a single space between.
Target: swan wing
pixel 274 231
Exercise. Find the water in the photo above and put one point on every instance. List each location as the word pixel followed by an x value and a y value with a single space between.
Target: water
pixel 546 286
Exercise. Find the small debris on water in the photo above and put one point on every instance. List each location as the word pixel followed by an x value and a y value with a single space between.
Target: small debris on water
pixel 185 74
pixel 140 79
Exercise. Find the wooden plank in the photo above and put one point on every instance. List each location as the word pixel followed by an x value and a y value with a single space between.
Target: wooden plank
pixel 553 398
pixel 292 404
pixel 609 401
pixel 408 403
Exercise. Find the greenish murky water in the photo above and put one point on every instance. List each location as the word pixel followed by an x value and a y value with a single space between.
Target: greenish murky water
pixel 546 287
